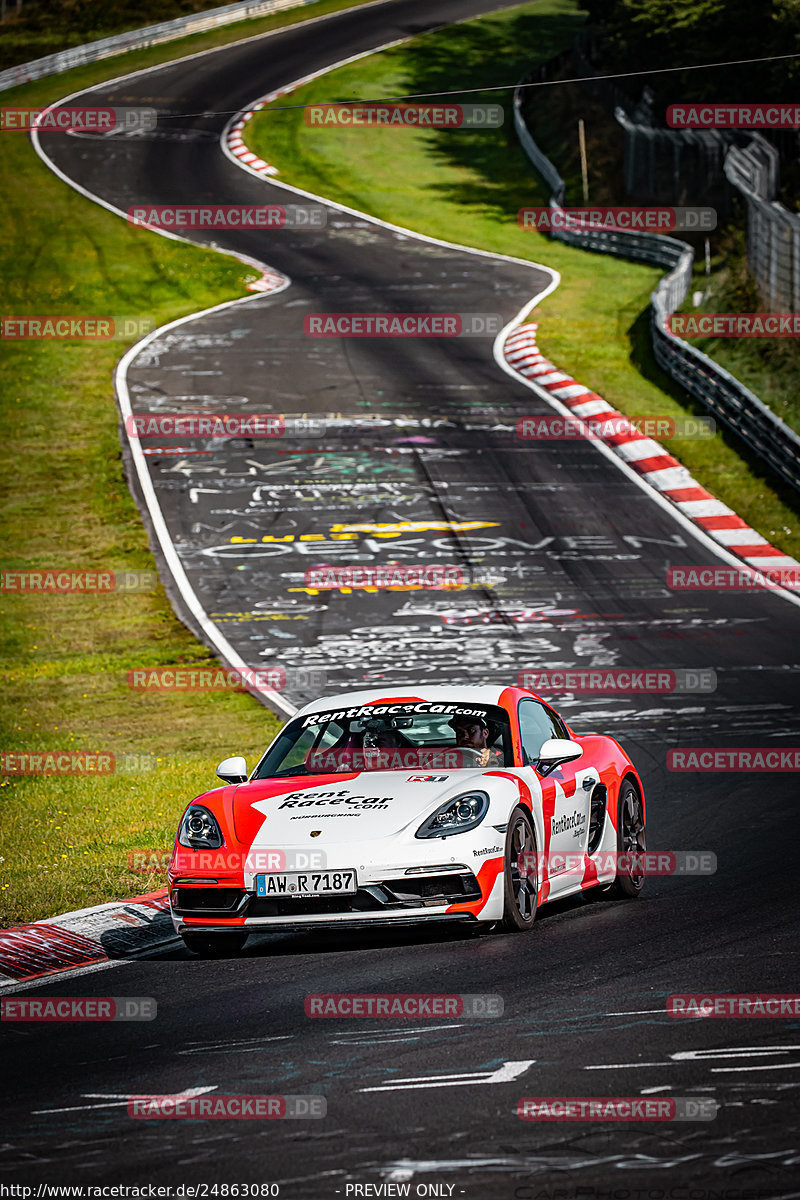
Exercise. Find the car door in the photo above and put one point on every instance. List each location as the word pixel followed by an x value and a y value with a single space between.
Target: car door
pixel 565 801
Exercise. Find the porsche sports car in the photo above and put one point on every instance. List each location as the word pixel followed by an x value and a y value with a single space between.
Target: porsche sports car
pixel 460 804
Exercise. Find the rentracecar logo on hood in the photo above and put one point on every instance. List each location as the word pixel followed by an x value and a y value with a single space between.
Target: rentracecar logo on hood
pixel 323 799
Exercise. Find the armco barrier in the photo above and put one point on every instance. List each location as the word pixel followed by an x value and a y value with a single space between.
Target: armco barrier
pixel 138 39
pixel 773 232
pixel 729 400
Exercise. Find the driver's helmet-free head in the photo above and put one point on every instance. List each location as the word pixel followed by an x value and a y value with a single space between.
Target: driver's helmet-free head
pixel 462 723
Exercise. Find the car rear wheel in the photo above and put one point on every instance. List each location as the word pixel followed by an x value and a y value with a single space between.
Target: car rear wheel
pixel 214 945
pixel 631 843
pixel 521 874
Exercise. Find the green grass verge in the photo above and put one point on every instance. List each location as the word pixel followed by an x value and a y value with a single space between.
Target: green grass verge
pixel 770 367
pixel 41 29
pixel 64 841
pixel 468 186
pixel 22 42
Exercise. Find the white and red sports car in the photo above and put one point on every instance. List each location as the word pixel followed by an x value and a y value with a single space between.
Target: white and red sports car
pixel 470 804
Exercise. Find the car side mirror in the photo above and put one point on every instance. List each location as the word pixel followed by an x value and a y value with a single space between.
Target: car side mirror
pixel 555 752
pixel 233 770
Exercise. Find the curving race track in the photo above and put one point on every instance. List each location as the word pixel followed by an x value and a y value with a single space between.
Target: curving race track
pixel 570 555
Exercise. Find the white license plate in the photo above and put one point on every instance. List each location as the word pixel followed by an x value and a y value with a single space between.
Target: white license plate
pixel 307 883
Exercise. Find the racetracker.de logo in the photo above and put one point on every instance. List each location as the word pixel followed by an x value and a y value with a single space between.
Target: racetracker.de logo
pixel 402 325
pixel 206 679
pixel 728 325
pixel 60 119
pixel 731 579
pixel 228 216
pixel 703 1004
pixel 627 218
pixel 733 116
pixel 205 425
pixel 616 1108
pixel 266 860
pixel 620 680
pixel 56 762
pixel 78 1008
pixel 333 761
pixel 547 428
pixel 404 116
pixel 725 759
pixel 226 1107
pixel 612 862
pixel 393 575
pixel 73 329
pixel 333 1004
pixel 67 580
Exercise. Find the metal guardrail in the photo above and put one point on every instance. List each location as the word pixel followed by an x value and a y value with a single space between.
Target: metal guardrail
pixel 773 232
pixel 138 39
pixel 726 398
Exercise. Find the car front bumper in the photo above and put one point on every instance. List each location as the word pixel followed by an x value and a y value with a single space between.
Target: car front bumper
pixel 401 897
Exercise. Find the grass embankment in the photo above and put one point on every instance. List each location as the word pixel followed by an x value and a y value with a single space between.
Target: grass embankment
pixel 468 186
pixel 770 367
pixel 64 841
pixel 47 29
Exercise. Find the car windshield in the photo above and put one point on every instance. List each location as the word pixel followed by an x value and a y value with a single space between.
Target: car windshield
pixel 402 736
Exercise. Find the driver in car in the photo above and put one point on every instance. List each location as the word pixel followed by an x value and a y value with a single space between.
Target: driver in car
pixel 474 734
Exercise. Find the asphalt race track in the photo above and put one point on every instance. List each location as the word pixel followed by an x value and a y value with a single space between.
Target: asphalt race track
pixel 569 558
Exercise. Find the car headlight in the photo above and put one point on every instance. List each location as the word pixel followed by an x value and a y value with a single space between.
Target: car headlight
pixel 456 816
pixel 200 829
